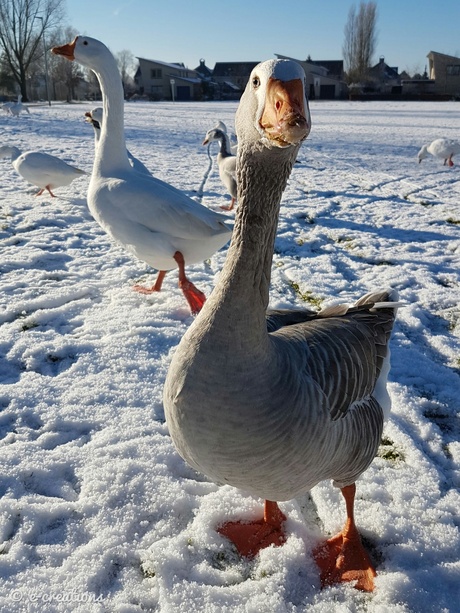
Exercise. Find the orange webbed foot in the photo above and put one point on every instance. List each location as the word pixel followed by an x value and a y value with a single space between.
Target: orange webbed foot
pixel 155 288
pixel 193 295
pixel 342 559
pixel 250 537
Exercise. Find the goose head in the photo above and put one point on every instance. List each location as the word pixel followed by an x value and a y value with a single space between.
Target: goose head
pixel 214 134
pixel 423 153
pixel 85 50
pixel 94 117
pixel 274 107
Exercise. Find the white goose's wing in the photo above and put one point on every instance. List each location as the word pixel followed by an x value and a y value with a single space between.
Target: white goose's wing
pixel 159 207
pixel 39 162
pixel 42 169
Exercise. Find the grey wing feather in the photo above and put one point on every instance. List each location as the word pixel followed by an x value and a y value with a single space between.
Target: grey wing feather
pixel 344 347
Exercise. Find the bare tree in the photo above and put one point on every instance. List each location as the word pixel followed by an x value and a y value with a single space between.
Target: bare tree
pixel 360 41
pixel 125 61
pixel 22 26
pixel 65 75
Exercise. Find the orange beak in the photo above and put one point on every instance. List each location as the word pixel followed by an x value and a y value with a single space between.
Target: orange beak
pixel 66 51
pixel 284 119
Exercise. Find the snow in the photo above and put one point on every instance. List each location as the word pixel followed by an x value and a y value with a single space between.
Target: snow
pixel 98 513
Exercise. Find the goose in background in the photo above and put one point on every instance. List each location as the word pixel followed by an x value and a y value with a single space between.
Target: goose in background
pixel 226 162
pixel 154 221
pixel 41 169
pixel 273 403
pixel 220 125
pixel 442 148
pixel 94 117
pixel 18 107
pixel 6 106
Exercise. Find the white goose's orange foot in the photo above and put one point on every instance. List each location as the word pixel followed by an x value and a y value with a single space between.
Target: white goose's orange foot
pixel 249 538
pixel 193 295
pixel 155 288
pixel 144 290
pixel 342 559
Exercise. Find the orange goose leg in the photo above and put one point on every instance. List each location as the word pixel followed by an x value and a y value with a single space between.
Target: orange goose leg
pixel 230 207
pixel 154 288
pixel 343 557
pixel 249 538
pixel 193 295
pixel 47 187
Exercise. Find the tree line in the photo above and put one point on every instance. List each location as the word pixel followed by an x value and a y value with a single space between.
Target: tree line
pixel 30 28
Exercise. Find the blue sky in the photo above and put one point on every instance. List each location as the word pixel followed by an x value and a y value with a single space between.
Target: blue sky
pixel 185 31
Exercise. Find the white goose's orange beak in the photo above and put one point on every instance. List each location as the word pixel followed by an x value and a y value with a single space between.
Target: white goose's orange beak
pixel 66 51
pixel 284 119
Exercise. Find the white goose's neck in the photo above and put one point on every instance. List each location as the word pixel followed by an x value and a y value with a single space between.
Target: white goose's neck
pixel 242 291
pixel 224 143
pixel 111 153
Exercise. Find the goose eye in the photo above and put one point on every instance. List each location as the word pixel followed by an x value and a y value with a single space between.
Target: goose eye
pixel 256 82
pixel 85 42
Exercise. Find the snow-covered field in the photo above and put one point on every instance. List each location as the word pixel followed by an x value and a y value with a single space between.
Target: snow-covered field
pixel 98 513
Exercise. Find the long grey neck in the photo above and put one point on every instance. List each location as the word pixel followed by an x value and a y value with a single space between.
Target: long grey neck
pixel 242 291
pixel 111 153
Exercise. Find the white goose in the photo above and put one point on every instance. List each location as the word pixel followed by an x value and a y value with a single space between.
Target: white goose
pixel 275 412
pixel 94 117
pixel 41 169
pixel 442 148
pixel 6 106
pixel 226 162
pixel 156 222
pixel 18 107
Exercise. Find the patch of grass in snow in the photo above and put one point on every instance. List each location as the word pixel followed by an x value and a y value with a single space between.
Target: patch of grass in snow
pixel 453 319
pixel 148 572
pixel 307 296
pixel 29 325
pixel 307 218
pixel 451 220
pixel 388 451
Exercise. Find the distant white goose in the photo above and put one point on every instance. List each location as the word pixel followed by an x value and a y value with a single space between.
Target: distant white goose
pixel 442 148
pixel 41 169
pixel 273 403
pixel 18 107
pixel 6 106
pixel 94 117
pixel 226 162
pixel 154 221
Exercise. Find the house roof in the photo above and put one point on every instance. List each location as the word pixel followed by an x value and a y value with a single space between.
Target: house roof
pixel 334 67
pixel 203 70
pixel 233 69
pixel 176 66
pixel 450 57
pixel 382 70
